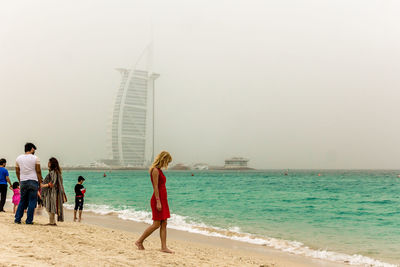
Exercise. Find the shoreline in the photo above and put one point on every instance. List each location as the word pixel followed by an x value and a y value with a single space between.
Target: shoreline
pixel 281 258
pixel 114 239
pixel 244 240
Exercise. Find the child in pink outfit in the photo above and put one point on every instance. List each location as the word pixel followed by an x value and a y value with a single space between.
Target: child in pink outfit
pixel 17 195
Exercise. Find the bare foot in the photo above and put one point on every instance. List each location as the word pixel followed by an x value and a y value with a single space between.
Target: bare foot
pixel 167 250
pixel 74 219
pixel 139 245
pixel 51 224
pixel 79 220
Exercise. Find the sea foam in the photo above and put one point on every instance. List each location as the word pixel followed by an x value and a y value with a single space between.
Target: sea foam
pixel 184 223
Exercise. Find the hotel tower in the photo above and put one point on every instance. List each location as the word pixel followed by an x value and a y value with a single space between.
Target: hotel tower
pixel 132 122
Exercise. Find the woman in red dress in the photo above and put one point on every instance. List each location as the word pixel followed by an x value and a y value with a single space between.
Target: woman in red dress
pixel 159 202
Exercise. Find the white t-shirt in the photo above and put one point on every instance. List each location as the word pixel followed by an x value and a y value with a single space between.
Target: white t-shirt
pixel 27 166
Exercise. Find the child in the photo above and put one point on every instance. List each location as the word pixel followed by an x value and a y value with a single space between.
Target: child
pixel 79 195
pixel 17 196
pixel 39 206
pixel 39 198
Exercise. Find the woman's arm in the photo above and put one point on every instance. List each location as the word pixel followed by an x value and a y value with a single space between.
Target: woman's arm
pixel 154 174
pixel 49 180
pixel 61 186
pixel 61 182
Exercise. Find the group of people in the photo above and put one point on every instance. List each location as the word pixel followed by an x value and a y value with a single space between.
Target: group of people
pixel 31 186
pixel 51 190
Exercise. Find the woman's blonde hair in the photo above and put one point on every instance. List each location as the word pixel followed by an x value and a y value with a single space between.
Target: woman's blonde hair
pixel 162 160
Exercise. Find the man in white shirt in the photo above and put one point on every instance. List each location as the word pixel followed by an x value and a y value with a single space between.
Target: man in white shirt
pixel 29 175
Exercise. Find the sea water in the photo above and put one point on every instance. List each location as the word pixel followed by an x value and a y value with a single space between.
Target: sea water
pixel 342 216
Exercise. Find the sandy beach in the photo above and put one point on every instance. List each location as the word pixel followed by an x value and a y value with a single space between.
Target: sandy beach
pixel 105 240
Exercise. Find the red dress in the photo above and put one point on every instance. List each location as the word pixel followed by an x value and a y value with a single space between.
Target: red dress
pixel 162 190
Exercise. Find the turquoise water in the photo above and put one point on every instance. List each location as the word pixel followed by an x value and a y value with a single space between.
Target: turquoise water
pixel 346 212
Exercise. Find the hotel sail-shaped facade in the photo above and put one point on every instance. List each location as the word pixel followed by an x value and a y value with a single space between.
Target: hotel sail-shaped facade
pixel 132 122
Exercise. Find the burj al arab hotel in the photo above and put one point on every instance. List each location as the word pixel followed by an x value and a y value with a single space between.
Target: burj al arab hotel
pixel 132 121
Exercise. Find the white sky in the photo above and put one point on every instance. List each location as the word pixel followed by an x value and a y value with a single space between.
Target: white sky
pixel 288 83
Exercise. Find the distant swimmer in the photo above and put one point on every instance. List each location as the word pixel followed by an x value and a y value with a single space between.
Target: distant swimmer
pixel 192 174
pixel 104 175
pixel 319 174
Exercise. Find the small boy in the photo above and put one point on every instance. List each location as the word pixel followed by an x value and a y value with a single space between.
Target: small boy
pixel 4 179
pixel 79 195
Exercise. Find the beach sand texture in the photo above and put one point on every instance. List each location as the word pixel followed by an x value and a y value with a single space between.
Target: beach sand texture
pixel 73 244
pixel 105 241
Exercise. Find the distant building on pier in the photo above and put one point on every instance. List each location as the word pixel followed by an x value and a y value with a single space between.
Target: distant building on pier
pixel 236 163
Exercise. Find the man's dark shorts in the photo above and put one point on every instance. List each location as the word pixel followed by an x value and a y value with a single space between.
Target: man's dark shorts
pixel 78 203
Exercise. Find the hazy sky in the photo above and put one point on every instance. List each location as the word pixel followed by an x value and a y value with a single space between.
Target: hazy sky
pixel 286 83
